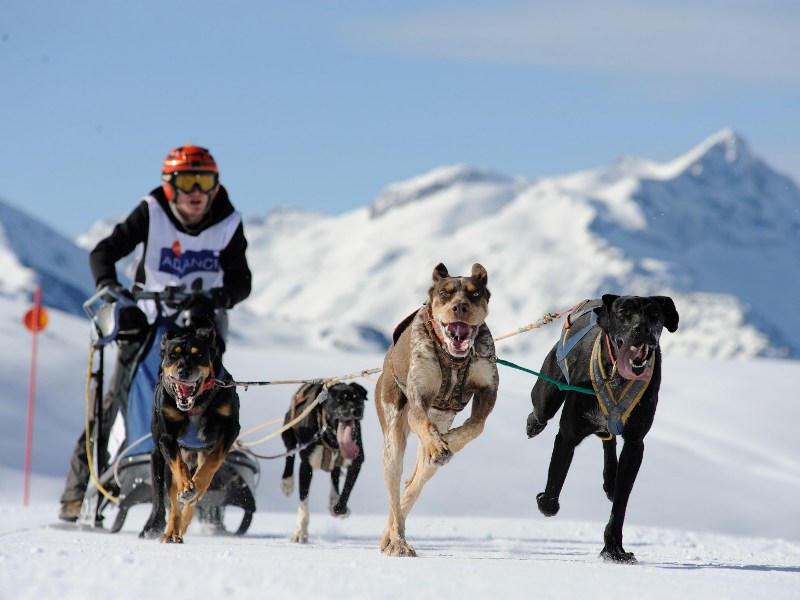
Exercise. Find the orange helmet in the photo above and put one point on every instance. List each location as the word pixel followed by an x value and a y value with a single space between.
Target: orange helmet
pixel 190 159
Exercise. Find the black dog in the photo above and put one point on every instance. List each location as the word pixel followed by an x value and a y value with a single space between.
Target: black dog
pixel 610 346
pixel 327 438
pixel 195 422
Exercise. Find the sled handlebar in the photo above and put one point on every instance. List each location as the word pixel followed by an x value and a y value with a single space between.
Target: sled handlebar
pixel 174 296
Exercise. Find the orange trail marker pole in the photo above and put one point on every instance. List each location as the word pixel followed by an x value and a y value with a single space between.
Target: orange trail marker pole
pixel 35 320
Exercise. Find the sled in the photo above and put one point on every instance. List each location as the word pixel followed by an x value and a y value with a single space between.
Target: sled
pixel 127 476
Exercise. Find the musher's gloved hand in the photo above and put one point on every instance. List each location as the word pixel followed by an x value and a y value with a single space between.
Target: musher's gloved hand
pixel 200 303
pixel 115 290
pixel 220 297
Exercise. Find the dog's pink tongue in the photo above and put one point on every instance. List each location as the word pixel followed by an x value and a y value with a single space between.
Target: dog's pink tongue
pixel 460 331
pixel 626 355
pixel 344 435
pixel 459 336
pixel 185 390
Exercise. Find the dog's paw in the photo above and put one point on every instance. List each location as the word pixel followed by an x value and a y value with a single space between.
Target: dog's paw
pixel 617 554
pixel 287 486
pixel 534 426
pixel 171 538
pixel 340 511
pixel 397 547
pixel 300 537
pixel 442 458
pixel 549 507
pixel 187 495
pixel 439 455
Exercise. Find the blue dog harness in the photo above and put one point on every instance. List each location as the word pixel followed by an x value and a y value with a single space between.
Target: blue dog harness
pixel 570 338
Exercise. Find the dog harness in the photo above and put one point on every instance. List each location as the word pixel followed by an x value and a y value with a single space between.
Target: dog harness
pixel 331 456
pixel 450 397
pixel 454 400
pixel 570 338
pixel 616 396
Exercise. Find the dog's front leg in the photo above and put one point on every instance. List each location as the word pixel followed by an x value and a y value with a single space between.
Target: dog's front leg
pixel 287 479
pixel 472 427
pixel 180 482
pixel 610 467
pixel 339 507
pixel 207 465
pixel 560 461
pixel 306 472
pixel 630 459
pixel 437 452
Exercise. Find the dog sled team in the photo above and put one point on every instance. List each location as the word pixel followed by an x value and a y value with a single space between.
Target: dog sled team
pixel 178 408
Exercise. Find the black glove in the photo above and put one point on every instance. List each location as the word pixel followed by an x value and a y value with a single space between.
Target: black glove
pixel 200 303
pixel 220 297
pixel 114 291
pixel 198 308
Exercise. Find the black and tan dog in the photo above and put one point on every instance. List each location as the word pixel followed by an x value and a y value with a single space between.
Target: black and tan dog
pixel 195 422
pixel 611 347
pixel 327 438
pixel 441 357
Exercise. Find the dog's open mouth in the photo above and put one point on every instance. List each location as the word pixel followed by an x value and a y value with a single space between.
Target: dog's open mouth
pixel 185 392
pixel 344 437
pixel 635 362
pixel 458 337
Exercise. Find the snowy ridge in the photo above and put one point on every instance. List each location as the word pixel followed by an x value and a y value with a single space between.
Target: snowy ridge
pixel 31 254
pixel 424 186
pixel 716 228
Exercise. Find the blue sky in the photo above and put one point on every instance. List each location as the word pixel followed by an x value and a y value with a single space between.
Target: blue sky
pixel 321 104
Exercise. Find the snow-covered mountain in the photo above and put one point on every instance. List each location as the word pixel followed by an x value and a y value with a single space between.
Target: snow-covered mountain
pixel 31 254
pixel 715 228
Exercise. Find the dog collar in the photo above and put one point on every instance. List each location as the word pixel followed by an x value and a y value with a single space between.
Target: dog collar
pixel 435 330
pixel 611 356
pixel 210 381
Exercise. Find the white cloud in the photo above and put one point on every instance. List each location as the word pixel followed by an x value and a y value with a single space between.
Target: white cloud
pixel 734 41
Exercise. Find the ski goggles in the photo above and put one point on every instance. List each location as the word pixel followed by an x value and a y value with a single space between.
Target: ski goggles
pixel 186 181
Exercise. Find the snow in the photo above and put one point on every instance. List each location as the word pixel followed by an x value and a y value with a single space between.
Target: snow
pixel 714 512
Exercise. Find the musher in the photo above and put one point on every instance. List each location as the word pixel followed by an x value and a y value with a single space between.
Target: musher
pixel 188 233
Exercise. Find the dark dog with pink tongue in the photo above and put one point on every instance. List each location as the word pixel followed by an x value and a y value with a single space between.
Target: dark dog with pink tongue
pixel 610 346
pixel 327 438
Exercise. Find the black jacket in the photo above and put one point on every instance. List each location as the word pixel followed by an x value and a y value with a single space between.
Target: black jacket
pixel 133 231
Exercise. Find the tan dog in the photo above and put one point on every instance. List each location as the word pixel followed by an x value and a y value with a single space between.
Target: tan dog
pixel 441 357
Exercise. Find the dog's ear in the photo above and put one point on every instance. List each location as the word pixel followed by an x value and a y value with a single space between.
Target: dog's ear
pixel 440 272
pixel 603 312
pixel 359 390
pixel 168 335
pixel 480 274
pixel 670 312
pixel 203 327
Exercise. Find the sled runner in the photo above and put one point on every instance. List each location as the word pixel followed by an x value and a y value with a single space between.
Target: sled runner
pixel 127 476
